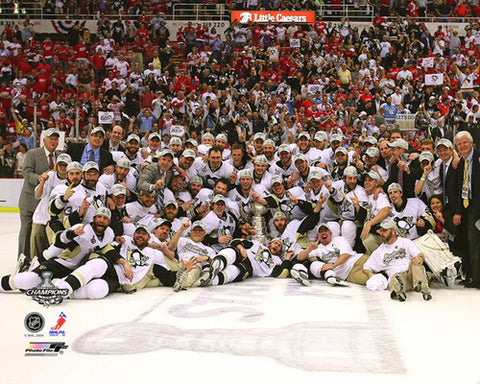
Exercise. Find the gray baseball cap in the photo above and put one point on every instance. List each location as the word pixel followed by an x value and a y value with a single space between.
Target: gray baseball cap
pixel 118 189
pixel 133 136
pixel 103 211
pixel 245 173
pixel 90 165
pixel 399 143
pixel 388 224
pixel 445 142
pixel 52 131
pixel 373 175
pixel 426 156
pixel 200 224
pixel 96 130
pixel 350 171
pixel 372 152
pixel 394 186
pixel 284 148
pixel 123 162
pixel 63 158
pixel 261 159
pixel 143 228
pixel 74 165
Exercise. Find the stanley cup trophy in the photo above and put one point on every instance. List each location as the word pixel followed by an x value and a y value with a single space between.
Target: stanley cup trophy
pixel 258 222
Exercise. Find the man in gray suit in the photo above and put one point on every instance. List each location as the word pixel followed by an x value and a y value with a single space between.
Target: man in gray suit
pixel 37 161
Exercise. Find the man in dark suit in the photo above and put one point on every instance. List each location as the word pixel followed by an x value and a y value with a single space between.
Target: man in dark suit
pixel 114 143
pixel 93 151
pixel 467 210
pixel 37 161
pixel 448 174
pixel 403 170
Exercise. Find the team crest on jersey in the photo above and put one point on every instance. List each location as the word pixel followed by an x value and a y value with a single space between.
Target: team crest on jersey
pixel 398 253
pixel 346 206
pixel 136 258
pixel 264 256
pixel 404 225
pixel 333 254
pixel 98 201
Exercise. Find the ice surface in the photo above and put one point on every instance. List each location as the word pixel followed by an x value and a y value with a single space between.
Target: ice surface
pixel 262 330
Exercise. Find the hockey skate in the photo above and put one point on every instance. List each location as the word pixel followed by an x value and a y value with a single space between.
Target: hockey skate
pixel 334 280
pixel 398 289
pixel 181 280
pixel 214 269
pixel 300 276
pixel 23 263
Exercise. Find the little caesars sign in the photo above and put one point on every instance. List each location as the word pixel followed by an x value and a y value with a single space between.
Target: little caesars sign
pixel 245 17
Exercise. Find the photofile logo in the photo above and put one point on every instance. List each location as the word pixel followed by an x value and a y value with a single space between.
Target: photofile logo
pixel 45 349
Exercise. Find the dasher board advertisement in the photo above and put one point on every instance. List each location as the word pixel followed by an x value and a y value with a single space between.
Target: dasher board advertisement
pixel 245 17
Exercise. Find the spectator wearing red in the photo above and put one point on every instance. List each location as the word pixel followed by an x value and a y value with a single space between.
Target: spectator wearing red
pixel 146 98
pixel 80 51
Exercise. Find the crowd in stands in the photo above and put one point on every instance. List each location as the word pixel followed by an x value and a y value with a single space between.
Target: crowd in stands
pixel 278 100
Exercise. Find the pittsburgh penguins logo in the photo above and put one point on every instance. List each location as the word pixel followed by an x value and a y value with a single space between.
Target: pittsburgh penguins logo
pixel 264 256
pixel 346 206
pixel 136 258
pixel 404 225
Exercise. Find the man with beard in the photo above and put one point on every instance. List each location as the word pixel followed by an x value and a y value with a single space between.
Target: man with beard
pixel 79 205
pixel 242 195
pixel 132 147
pixel 144 209
pixel 70 249
pixel 411 216
pixel 299 178
pixel 401 260
pixel 285 166
pixel 370 162
pixel 120 221
pixel 341 162
pixel 304 147
pixel 332 258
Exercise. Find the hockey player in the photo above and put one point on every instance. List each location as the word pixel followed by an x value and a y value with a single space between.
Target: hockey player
pixel 332 259
pixel 242 194
pixel 215 168
pixel 144 208
pixel 70 249
pixel 121 175
pixel 245 258
pixel 411 216
pixel 401 260
pixel 285 166
pixel 220 224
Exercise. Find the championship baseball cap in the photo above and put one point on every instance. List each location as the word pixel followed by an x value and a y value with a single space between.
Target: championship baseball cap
pixel 363 113
pixel 316 173
pixel 221 137
pixel 445 142
pixel 196 179
pixel 158 222
pixel 90 165
pixel 301 157
pixel 208 134
pixel 175 140
pixel 278 214
pixel 350 171
pixel 276 179
pixel 245 173
pixel 118 189
pixel 74 165
pixel 394 186
pixel 259 136
pixel 388 224
pixel 320 136
pixel 189 153
pixel 170 202
pixel 372 152
pixel 304 134
pixel 284 148
pixel 133 136
pixel 371 140
pixel 154 135
pixel 324 225
pixel 96 130
pixel 341 150
pixel 51 131
pixel 63 158
pixel 200 224
pixel 142 228
pixel 192 142
pixel 399 143
pixel 426 156
pixel 103 211
pixel 269 142
pixel 219 198
pixel 336 137
pixel 261 159
pixel 123 162
pixel 373 175
pixel 166 152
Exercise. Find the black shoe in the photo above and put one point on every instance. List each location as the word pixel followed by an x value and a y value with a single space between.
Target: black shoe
pixel 398 289
pixel 472 284
pixel 464 282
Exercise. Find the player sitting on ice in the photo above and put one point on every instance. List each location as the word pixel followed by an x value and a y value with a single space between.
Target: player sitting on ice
pixel 139 266
pixel 332 259
pixel 248 258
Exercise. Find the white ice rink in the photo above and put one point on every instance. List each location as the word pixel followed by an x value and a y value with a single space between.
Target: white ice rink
pixel 259 331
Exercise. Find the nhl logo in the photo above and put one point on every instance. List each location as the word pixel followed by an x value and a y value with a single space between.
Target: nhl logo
pixel 34 322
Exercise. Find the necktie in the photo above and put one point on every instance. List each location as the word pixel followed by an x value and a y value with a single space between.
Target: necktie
pixel 161 197
pixel 466 183
pixel 51 164
pixel 92 156
pixel 444 187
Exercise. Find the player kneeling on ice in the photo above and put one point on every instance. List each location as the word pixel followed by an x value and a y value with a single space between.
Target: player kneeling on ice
pixel 248 258
pixel 137 266
pixel 330 258
pixel 401 260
